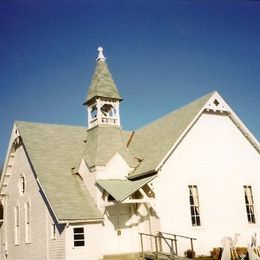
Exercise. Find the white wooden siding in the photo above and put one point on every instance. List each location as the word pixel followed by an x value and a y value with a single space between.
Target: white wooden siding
pixel 217 158
pixel 40 247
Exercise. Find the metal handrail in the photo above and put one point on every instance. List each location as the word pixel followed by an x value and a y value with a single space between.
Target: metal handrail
pixel 157 238
pixel 172 252
pixel 175 239
pixel 193 238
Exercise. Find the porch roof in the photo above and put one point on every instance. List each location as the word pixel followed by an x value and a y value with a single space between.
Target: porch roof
pixel 121 189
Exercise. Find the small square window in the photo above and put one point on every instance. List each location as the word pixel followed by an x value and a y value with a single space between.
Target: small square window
pixel 79 236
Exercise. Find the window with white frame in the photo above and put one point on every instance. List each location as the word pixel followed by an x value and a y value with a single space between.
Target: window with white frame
pixel 249 201
pixel 27 217
pixel 79 236
pixel 17 225
pixel 194 206
pixel 53 231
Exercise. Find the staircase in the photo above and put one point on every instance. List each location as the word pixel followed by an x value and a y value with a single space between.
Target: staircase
pixel 138 256
pixel 162 256
pixel 128 256
pixel 160 243
pixel 164 246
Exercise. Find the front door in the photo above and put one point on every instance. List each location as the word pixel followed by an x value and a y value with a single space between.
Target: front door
pixel 122 235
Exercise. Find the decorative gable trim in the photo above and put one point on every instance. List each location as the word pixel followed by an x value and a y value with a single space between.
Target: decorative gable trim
pixel 214 104
pixel 245 131
pixel 14 143
pixel 217 104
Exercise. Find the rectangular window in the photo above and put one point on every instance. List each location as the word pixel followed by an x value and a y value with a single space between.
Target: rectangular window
pixel 79 236
pixel 250 208
pixel 16 225
pixel 53 231
pixel 194 206
pixel 27 223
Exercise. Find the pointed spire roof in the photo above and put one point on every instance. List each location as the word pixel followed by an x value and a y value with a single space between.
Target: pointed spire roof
pixel 102 84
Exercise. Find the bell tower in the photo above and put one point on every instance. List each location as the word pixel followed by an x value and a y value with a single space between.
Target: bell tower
pixel 103 99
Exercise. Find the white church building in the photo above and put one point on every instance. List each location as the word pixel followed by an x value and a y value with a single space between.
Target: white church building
pixel 182 182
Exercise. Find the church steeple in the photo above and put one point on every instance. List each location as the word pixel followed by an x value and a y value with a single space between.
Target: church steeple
pixel 103 97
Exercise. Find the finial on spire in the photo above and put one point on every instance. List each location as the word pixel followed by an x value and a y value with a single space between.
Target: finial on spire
pixel 100 54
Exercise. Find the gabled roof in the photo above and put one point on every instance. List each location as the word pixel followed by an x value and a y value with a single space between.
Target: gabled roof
pixel 103 142
pixel 121 189
pixel 152 142
pixel 53 150
pixel 102 84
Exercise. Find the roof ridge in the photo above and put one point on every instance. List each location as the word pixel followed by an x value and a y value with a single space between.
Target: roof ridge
pixel 47 124
pixel 153 141
pixel 206 97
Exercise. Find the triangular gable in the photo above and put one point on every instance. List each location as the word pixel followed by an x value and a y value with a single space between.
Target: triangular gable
pixel 217 104
pixel 154 143
pixel 116 168
pixel 103 142
pixel 53 150
pixel 14 139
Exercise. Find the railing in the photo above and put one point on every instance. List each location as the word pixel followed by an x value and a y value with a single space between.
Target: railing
pixel 180 236
pixel 170 240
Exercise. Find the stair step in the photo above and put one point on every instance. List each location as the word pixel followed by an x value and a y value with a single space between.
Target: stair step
pixel 127 256
pixel 163 256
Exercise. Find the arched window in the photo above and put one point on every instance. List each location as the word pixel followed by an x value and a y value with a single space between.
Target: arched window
pixel 17 225
pixel 27 222
pixel 1 213
pixel 21 185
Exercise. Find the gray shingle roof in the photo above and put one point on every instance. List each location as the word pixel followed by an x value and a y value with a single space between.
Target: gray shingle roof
pixel 103 142
pixel 53 150
pixel 153 141
pixel 121 189
pixel 102 84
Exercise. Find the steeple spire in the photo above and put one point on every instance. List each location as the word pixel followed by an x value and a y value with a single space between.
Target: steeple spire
pixel 103 97
pixel 100 54
pixel 102 84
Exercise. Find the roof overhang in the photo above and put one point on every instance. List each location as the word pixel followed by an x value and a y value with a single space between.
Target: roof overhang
pixel 74 221
pixel 215 104
pixel 122 189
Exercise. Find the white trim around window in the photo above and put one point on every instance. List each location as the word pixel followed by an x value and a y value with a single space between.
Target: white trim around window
pixel 17 225
pixel 27 223
pixel 78 237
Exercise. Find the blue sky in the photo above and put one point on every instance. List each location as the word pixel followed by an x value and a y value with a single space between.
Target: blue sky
pixel 162 55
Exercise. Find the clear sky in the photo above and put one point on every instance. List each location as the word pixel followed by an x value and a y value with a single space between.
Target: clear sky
pixel 162 55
